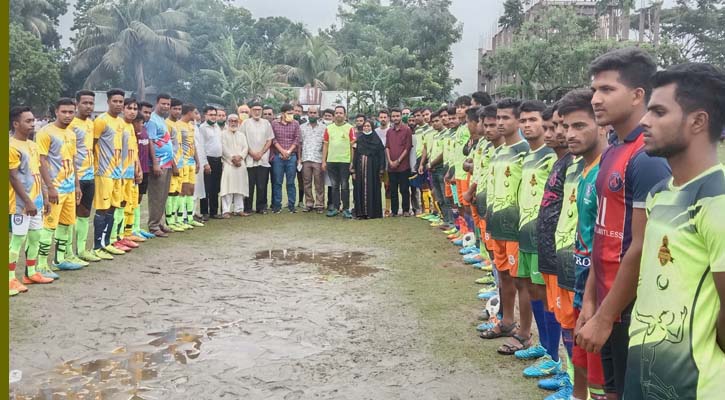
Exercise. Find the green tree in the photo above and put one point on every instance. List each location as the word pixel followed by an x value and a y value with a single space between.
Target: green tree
pixel 34 72
pixel 697 28
pixel 513 15
pixel 313 62
pixel 128 36
pixel 39 17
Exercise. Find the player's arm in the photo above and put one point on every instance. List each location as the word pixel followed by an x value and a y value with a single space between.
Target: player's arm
pixel 436 161
pixel 719 278
pixel 17 186
pixel 589 301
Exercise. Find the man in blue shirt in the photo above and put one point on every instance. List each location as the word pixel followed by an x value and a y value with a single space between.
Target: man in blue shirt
pixel 161 153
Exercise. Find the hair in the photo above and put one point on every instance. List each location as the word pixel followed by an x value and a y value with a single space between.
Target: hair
pixel 434 115
pixel 442 110
pixel 139 118
pixel 176 102
pixel 554 108
pixel 268 107
pixel 482 98
pixel 416 110
pixel 328 111
pixel 129 100
pixel 451 110
pixel 164 96
pixel 548 114
pixel 395 109
pixel 298 105
pixel 490 111
pixel 472 114
pixel 635 67
pixel 532 106
pixel 17 111
pixel 509 103
pixel 187 108
pixel 115 92
pixel 462 101
pixel 576 100
pixel 698 86
pixel 85 92
pixel 64 101
pixel 367 121
pixel 146 104
pixel 344 110
pixel 208 108
pixel 383 112
pixel 361 116
pixel 254 104
pixel 286 107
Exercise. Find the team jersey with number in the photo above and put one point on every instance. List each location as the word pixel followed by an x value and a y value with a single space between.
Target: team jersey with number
pixel 549 212
pixel 59 147
pixel 25 157
pixel 187 142
pixel 461 138
pixel 534 173
pixel 490 189
pixel 129 151
pixel 108 131
pixel 83 129
pixel 566 227
pixel 587 206
pixel 506 179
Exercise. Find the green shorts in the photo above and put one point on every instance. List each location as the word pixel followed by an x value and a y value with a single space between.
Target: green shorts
pixel 529 267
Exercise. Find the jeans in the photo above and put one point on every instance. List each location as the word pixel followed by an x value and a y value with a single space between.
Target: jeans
pixel 399 182
pixel 439 190
pixel 312 171
pixel 284 170
pixel 258 178
pixel 340 178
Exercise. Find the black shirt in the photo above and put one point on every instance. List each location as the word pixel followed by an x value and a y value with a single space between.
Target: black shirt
pixel 549 215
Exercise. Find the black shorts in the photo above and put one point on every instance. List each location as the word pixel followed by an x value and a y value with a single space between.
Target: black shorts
pixel 88 187
pixel 144 183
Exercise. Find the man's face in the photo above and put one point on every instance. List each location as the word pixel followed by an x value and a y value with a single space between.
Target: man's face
pixel 175 112
pixel 288 116
pixel 65 114
pixel 612 101
pixel 461 112
pixel 666 132
pixel 395 117
pixel 85 106
pixel 532 125
pixel 197 116
pixel 549 133
pixel 472 126
pixel 233 122
pixel 339 115
pixel 162 107
pixel 137 126
pixel 268 114
pixel 115 104
pixel 582 132
pixel 146 112
pixel 359 121
pixel 418 118
pixel 243 111
pixel 25 123
pixel 405 111
pixel 328 117
pixel 313 113
pixel 210 115
pixel 297 110
pixel 490 126
pixel 256 112
pixel 444 119
pixel 221 115
pixel 426 116
pixel 383 118
pixel 508 124
pixel 436 123
pixel 130 111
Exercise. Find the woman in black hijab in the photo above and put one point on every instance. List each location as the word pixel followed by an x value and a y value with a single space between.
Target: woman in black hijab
pixel 367 168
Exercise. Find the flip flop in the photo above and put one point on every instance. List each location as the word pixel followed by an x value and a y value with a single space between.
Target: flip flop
pixel 504 331
pixel 508 349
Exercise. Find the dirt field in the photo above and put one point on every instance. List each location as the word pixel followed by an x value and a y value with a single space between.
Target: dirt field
pixel 279 306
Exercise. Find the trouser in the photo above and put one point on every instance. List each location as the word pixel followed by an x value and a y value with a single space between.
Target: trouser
pixel 158 192
pixel 415 198
pixel 284 170
pixel 399 182
pixel 312 171
pixel 340 178
pixel 232 199
pixel 212 182
pixel 300 187
pixel 439 188
pixel 614 354
pixel 258 177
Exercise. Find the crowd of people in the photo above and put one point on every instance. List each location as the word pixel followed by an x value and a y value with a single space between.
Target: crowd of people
pixel 597 216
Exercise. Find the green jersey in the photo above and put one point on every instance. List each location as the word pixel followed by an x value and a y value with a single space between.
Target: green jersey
pixel 506 179
pixel 448 143
pixel 420 138
pixel 587 206
pixel 673 350
pixel 461 138
pixel 490 190
pixel 435 145
pixel 477 153
pixel 566 227
pixel 534 173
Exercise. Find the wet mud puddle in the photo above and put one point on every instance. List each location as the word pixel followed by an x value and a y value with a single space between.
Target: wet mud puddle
pixel 348 264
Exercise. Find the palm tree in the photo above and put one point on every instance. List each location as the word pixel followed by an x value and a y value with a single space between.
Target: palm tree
pixel 313 62
pixel 263 80
pixel 33 15
pixel 127 36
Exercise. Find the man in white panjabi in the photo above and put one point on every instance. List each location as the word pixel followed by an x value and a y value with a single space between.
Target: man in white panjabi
pixel 234 183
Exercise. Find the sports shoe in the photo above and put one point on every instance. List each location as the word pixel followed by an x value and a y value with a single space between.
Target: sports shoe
pixel 186 226
pixel 128 243
pixel 332 213
pixel 457 242
pixel 468 250
pixel 13 292
pixel 68 266
pixel 37 278
pixel 136 238
pixel 531 353
pixel 102 254
pixel 544 367
pixel 556 382
pixel 485 326
pixel 486 280
pixel 437 223
pixel 483 266
pixel 147 235
pixel 347 214
pixel 474 258
pixel 89 256
pixel 17 286
pixel 79 261
pixel 423 215
pixel 47 272
pixel 487 295
pixel 488 289
pixel 451 231
pixel 120 246
pixel 564 393
pixel 111 249
pixel 195 223
pixel 176 228
pixel 454 236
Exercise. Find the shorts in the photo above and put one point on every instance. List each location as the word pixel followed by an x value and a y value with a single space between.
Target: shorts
pixel 144 185
pixel 476 218
pixel 130 192
pixel 189 176
pixel 487 239
pixel 552 289
pixel 448 192
pixel 63 213
pixel 564 308
pixel 108 193
pixel 462 187
pixel 529 267
pixel 506 256
pixel 175 184
pixel 88 188
pixel 20 224
pixel 591 362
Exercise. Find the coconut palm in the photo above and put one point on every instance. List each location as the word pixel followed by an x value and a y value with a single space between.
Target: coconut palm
pixel 313 61
pixel 33 15
pixel 129 36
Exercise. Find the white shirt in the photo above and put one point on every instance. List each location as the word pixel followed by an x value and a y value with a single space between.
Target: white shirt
pixel 212 137
pixel 258 132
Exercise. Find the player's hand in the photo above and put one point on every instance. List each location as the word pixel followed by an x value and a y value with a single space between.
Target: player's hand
pixel 594 334
pixel 420 170
pixel 31 209
pixel 79 195
pixel 196 169
pixel 324 166
pixel 467 196
pixel 52 195
pixel 157 170
pixel 585 315
pixel 175 170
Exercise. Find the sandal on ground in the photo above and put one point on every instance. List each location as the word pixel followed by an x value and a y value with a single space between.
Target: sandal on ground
pixel 226 216
pixel 503 331
pixel 522 343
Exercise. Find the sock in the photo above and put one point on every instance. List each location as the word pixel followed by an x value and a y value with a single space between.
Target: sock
pixel 567 336
pixel 170 210
pixel 117 224
pixel 537 307
pixel 477 234
pixel 425 200
pixel 570 367
pixel 179 205
pixel 46 236
pixel 190 208
pixel 99 228
pixel 553 332
pixel 137 219
pixel 62 235
pixel 16 243
pixel 128 213
pixel 32 249
pixel 82 233
pixel 69 253
pixel 107 228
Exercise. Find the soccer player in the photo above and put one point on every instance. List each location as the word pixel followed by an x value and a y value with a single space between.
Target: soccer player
pixel 107 143
pixel 457 172
pixel 191 163
pixel 177 169
pixel 144 160
pixel 534 173
pixel 621 86
pixel 677 336
pixel 26 199
pixel 505 228
pixel 57 148
pixel 82 126
pixel 433 155
pixel 131 176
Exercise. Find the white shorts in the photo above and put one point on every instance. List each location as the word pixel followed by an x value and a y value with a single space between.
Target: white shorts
pixel 20 224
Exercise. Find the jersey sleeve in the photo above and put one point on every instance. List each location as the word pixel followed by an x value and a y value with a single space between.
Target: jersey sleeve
pixel 712 230
pixel 43 141
pixel 151 130
pixel 99 125
pixel 14 156
pixel 351 134
pixel 326 136
pixel 644 172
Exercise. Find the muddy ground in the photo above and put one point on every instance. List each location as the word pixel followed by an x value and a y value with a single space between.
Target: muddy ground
pixel 220 313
